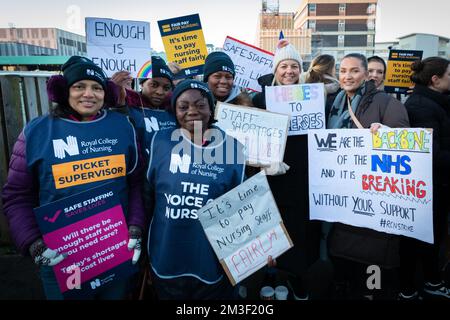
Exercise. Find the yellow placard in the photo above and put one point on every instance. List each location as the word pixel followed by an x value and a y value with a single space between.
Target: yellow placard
pixel 188 49
pixel 398 74
pixel 90 170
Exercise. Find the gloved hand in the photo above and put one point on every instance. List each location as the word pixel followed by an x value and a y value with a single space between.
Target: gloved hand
pixel 135 234
pixel 44 256
pixel 276 169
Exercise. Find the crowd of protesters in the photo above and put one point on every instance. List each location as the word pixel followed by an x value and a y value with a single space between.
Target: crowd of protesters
pixel 178 257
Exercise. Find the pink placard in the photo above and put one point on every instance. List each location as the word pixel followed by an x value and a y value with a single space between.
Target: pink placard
pixel 95 245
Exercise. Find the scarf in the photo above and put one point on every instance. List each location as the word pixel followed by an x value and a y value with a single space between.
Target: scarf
pixel 339 116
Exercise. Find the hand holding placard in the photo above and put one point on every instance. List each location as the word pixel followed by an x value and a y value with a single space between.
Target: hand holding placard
pixel 276 169
pixel 135 242
pixel 245 228
pixel 44 256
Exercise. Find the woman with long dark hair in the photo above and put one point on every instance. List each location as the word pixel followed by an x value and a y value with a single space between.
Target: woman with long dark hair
pixel 429 107
pixel 360 105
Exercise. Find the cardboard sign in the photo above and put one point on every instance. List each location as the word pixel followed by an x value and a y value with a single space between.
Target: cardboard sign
pixel 91 228
pixel 382 182
pixel 116 45
pixel 244 228
pixel 184 43
pixel 399 71
pixel 262 133
pixel 249 61
pixel 304 103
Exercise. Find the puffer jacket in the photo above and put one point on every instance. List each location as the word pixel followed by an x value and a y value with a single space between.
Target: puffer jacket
pixel 21 194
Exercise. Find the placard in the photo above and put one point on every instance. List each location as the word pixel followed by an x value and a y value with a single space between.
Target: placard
pixel 244 228
pixel 382 182
pixel 304 103
pixel 117 45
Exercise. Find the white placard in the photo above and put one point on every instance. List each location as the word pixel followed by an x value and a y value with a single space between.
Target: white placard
pixel 244 228
pixel 116 45
pixel 262 133
pixel 304 103
pixel 250 63
pixel 382 182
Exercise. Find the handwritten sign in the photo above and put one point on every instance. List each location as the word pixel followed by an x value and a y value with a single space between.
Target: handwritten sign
pixel 250 63
pixel 116 45
pixel 244 228
pixel 399 71
pixel 304 103
pixel 262 133
pixel 382 182
pixel 91 228
pixel 184 43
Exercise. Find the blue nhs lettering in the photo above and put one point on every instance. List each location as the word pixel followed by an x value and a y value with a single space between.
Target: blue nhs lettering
pixel 386 163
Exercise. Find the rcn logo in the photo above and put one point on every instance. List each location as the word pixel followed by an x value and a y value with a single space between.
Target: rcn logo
pixel 60 147
pixel 95 284
pixel 151 124
pixel 179 163
pixel 225 68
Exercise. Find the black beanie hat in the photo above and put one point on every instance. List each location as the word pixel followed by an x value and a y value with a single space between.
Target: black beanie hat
pixel 191 84
pixel 160 70
pixel 81 68
pixel 217 61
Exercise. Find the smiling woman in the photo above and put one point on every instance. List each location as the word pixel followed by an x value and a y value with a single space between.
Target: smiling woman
pixel 86 97
pixel 290 188
pixel 88 89
pixel 359 105
pixel 79 146
pixel 186 170
pixel 352 74
pixel 193 105
pixel 219 74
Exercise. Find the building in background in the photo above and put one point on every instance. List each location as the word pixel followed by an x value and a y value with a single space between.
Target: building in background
pixel 338 27
pixel 431 44
pixel 271 22
pixel 65 43
pixel 23 49
pixel 382 48
pixel 38 48
pixel 212 48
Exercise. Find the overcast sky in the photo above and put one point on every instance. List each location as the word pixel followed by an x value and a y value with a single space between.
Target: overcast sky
pixel 236 18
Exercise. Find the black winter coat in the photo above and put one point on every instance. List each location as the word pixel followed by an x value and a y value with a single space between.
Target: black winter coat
pixel 291 195
pixel 430 109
